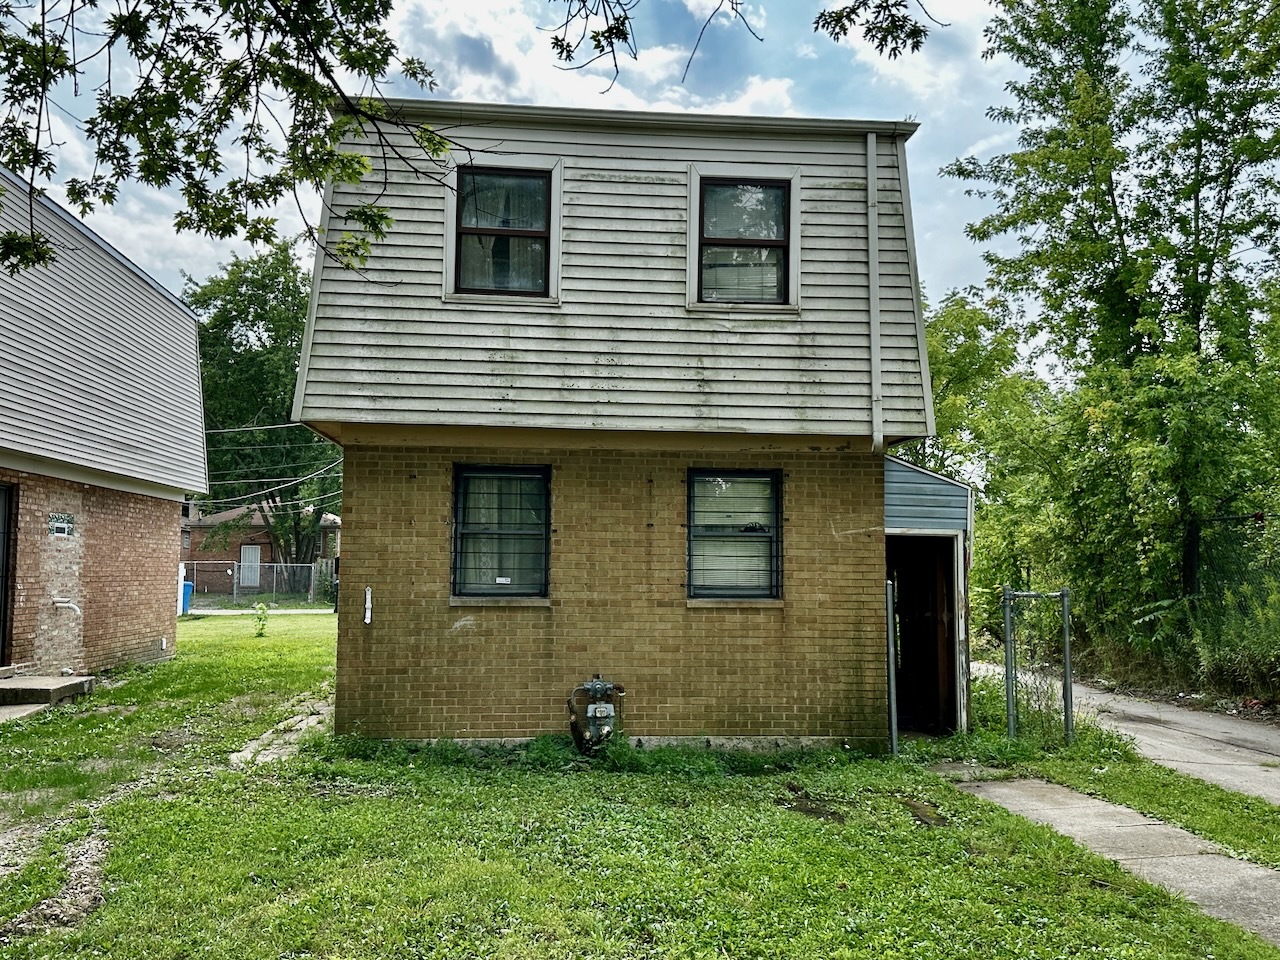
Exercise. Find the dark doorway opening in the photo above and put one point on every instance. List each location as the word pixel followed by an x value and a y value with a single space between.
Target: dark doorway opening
pixel 7 537
pixel 923 571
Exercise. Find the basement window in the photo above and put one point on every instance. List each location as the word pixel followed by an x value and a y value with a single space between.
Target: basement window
pixel 735 538
pixel 501 531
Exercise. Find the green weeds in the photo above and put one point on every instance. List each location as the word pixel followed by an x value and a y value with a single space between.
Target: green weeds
pixel 223 688
pixel 367 849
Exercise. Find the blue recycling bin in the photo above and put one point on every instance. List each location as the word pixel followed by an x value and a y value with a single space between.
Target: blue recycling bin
pixel 188 588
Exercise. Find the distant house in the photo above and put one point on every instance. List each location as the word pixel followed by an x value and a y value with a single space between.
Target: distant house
pixel 614 394
pixel 101 437
pixel 215 545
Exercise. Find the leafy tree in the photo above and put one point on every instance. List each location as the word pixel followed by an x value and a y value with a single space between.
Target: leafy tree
pixel 1143 201
pixel 252 317
pixel 979 384
pixel 235 105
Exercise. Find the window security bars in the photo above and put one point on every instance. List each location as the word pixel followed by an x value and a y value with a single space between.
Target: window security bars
pixel 735 543
pixel 502 531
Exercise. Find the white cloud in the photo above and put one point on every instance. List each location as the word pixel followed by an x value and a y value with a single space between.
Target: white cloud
pixel 762 97
pixel 995 143
pixel 499 51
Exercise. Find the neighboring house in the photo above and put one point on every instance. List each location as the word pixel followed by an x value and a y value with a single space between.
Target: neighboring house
pixel 101 436
pixel 614 395
pixel 211 549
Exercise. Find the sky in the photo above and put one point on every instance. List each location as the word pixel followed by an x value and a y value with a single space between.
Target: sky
pixel 499 51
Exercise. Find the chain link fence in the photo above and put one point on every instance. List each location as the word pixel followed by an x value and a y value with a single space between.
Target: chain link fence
pixel 230 585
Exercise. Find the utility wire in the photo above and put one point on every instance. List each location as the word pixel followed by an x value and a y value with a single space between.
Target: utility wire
pixel 257 495
pixel 269 426
pixel 321 501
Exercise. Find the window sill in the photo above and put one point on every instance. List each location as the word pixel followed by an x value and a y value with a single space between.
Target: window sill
pixel 720 602
pixel 748 309
pixel 508 300
pixel 499 601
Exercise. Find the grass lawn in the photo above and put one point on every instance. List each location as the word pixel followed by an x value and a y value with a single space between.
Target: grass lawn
pixel 356 849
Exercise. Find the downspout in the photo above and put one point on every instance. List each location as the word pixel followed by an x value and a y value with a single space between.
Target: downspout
pixel 873 293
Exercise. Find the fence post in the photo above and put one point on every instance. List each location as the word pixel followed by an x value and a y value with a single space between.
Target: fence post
pixel 235 582
pixel 892 635
pixel 1010 681
pixel 1067 719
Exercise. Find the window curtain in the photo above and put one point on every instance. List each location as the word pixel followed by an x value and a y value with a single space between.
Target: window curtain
pixel 497 260
pixel 503 526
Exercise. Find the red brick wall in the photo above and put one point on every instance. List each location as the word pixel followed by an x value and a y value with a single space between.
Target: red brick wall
pixel 119 566
pixel 207 569
pixel 810 664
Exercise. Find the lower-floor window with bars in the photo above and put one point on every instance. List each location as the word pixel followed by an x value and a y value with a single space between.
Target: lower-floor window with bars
pixel 502 531
pixel 735 542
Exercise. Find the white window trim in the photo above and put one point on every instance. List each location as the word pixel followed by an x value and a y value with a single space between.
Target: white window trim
pixel 746 171
pixel 515 161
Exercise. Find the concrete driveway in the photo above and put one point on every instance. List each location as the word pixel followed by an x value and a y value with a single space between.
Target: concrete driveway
pixel 1238 754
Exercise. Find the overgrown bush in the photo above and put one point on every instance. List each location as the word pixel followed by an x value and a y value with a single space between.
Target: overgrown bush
pixel 1241 653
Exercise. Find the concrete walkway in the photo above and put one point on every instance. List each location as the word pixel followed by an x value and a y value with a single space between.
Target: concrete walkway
pixel 1241 893
pixel 1232 752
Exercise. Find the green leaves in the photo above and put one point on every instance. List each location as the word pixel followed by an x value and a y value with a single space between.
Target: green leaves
pixel 1144 213
pixel 237 105
pixel 252 320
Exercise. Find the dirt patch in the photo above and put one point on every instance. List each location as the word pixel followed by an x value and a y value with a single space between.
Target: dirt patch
pixel 79 896
pixel 118 709
pixel 805 805
pixel 18 845
pixel 171 741
pixel 926 814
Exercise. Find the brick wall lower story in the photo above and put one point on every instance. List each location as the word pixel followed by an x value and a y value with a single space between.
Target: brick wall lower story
pixel 811 664
pixel 118 565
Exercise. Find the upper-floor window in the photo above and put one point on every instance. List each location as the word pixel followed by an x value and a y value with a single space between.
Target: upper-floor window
pixel 743 236
pixel 503 231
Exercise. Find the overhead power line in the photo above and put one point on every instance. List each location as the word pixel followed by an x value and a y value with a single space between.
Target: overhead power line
pixel 269 426
pixel 255 496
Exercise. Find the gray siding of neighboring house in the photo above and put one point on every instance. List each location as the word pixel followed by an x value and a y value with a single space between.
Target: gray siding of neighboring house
pixel 622 350
pixel 99 366
pixel 916 499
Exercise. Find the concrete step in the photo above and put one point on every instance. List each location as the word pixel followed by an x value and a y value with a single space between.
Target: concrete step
pixel 46 690
pixel 19 710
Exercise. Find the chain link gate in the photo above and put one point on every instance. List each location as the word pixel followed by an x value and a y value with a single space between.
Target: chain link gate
pixel 1032 669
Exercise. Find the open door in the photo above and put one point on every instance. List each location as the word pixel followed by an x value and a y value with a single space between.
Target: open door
pixel 923 572
pixel 7 537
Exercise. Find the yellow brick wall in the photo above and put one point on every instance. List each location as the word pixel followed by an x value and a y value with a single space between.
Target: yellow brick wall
pixel 810 664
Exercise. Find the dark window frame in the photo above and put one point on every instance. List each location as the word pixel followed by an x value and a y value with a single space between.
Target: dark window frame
pixel 773 591
pixel 8 567
pixel 463 472
pixel 460 231
pixel 784 244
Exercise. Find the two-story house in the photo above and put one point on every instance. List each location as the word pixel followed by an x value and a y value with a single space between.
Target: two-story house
pixel 614 394
pixel 101 437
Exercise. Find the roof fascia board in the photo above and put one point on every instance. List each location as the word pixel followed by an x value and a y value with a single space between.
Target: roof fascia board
pixel 444 111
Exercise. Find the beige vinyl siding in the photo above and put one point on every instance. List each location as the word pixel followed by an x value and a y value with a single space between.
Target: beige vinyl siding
pixel 621 350
pixel 99 367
